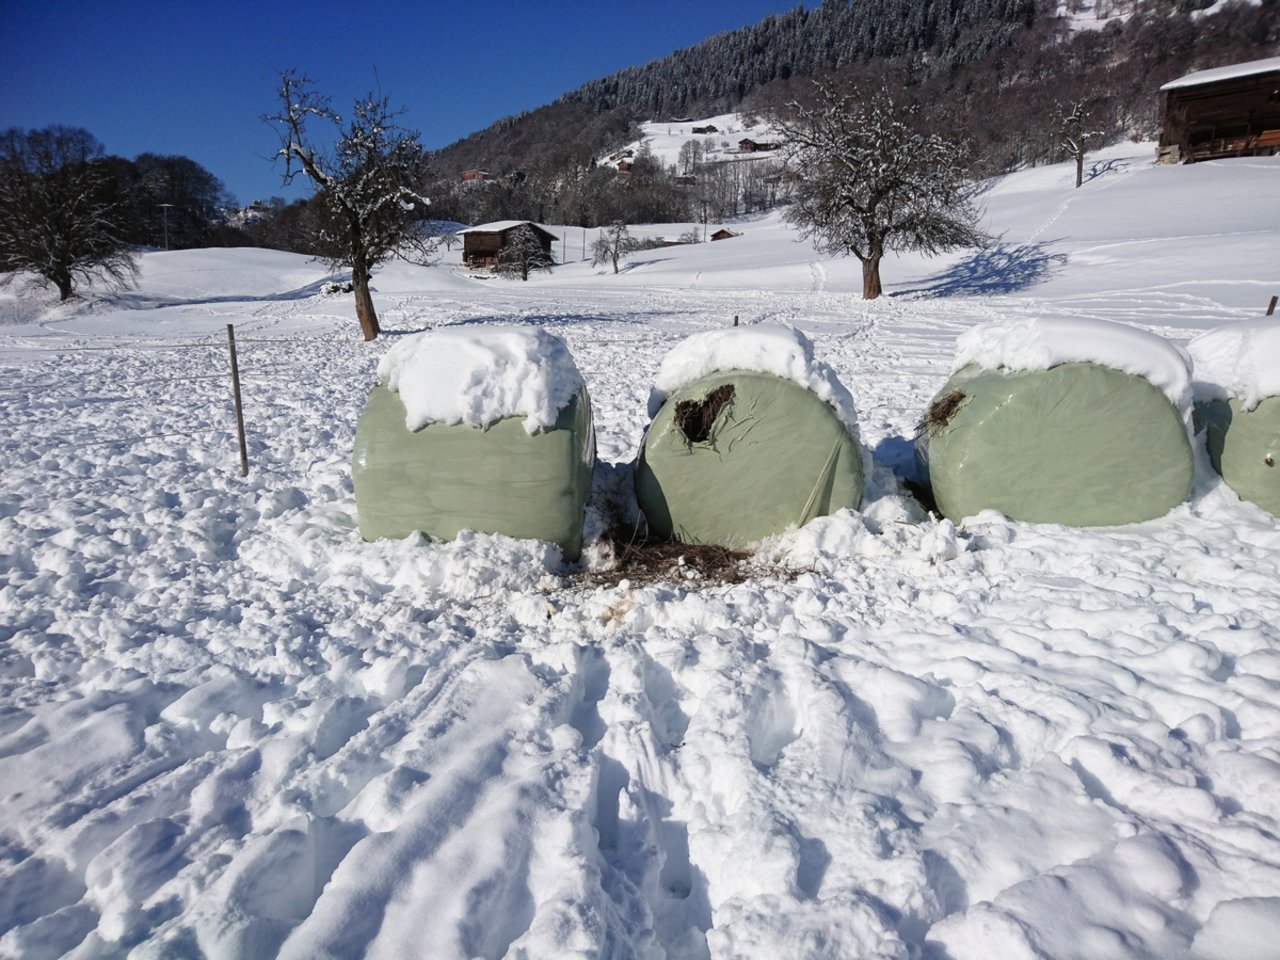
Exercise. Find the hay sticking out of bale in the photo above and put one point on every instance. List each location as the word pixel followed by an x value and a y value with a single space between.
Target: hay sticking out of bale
pixel 696 417
pixel 941 411
pixel 775 349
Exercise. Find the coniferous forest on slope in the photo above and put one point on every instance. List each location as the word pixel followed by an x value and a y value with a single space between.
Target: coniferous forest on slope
pixel 996 73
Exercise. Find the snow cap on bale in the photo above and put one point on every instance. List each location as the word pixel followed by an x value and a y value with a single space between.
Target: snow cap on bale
pixel 1240 361
pixel 776 349
pixel 1040 343
pixel 476 376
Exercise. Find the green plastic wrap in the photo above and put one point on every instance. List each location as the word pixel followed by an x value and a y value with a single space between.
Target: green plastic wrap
pixel 1079 444
pixel 773 455
pixel 442 479
pixel 1244 447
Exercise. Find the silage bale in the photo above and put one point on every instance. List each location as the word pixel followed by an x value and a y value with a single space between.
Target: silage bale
pixel 1237 392
pixel 1076 422
pixel 749 435
pixel 488 430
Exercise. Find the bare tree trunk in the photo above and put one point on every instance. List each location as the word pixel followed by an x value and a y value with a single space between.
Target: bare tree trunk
pixel 64 287
pixel 871 277
pixel 365 313
pixel 1079 168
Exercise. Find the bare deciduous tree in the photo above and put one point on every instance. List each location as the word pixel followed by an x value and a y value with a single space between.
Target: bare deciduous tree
pixel 1072 120
pixel 870 183
pixel 614 243
pixel 58 218
pixel 367 183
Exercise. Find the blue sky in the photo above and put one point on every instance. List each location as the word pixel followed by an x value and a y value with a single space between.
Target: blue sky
pixel 193 78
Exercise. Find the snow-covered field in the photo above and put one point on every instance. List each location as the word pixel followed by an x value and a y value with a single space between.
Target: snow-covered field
pixel 664 139
pixel 230 728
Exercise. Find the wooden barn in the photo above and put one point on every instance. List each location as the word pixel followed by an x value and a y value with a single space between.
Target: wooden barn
pixel 1231 111
pixel 481 245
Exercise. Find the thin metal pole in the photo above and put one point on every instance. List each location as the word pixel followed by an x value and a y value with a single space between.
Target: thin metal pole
pixel 164 209
pixel 235 391
pixel 1271 308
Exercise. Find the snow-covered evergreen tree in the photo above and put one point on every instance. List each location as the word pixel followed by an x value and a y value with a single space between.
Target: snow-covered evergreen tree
pixel 522 252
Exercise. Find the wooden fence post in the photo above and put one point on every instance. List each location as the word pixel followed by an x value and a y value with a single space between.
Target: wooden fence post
pixel 235 392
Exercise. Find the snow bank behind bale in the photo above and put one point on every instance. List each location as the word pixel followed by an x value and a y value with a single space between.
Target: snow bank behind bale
pixel 750 435
pixel 1080 422
pixel 1237 393
pixel 476 429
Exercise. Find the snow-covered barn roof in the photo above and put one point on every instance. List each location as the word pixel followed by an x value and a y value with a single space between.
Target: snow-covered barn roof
pixel 1229 72
pixel 502 226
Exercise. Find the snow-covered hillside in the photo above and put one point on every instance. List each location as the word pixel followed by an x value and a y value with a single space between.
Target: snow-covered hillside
pixel 230 728
pixel 717 137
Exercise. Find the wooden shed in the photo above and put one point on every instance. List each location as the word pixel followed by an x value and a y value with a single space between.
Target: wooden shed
pixel 481 245
pixel 1231 111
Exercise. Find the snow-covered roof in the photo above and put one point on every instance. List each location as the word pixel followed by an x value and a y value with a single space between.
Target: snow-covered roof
pixel 479 375
pixel 500 226
pixel 1241 360
pixel 1229 72
pixel 1042 343
pixel 770 348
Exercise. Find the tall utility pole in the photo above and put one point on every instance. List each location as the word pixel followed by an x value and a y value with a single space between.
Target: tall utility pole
pixel 164 209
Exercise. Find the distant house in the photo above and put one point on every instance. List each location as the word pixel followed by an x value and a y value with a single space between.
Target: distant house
pixel 481 245
pixel 756 146
pixel 724 234
pixel 1231 111
pixel 470 175
pixel 709 128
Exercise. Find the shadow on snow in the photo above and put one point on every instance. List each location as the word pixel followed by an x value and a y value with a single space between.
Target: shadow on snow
pixel 1000 268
